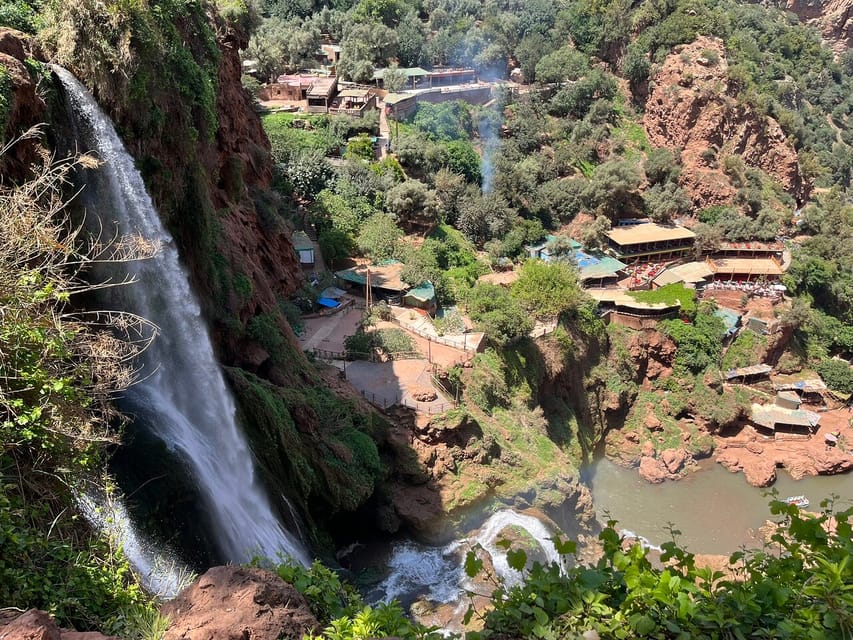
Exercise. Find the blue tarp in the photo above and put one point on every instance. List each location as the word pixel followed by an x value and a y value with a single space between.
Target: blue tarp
pixel 327 302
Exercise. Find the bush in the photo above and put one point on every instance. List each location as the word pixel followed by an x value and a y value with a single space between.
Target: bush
pixel 837 374
pixel 803 590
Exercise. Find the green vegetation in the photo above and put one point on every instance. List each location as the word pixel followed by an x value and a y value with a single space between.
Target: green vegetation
pixel 342 611
pixel 744 351
pixel 796 586
pixel 58 369
pixel 671 294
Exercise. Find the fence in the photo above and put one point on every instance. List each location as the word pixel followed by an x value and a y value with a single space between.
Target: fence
pixel 383 402
pixel 464 347
pixel 324 354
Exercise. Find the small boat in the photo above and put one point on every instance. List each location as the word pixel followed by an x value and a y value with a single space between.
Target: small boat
pixel 800 501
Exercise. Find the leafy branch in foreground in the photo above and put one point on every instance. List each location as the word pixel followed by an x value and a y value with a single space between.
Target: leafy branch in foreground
pixel 58 370
pixel 799 586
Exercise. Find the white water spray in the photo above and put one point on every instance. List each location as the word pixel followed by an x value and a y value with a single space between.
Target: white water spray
pixel 161 574
pixel 183 395
pixel 437 573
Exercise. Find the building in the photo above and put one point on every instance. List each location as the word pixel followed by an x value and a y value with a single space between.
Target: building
pixel 353 102
pixel 304 248
pixel 649 241
pixel 746 269
pixel 422 297
pixel 731 320
pixel 787 422
pixel 622 308
pixel 788 400
pixel 384 279
pixel 750 249
pixel 400 106
pixel 810 391
pixel 752 373
pixel 321 93
pixel 450 77
pixel 595 270
pixel 414 76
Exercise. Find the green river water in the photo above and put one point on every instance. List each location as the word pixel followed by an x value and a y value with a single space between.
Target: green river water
pixel 715 510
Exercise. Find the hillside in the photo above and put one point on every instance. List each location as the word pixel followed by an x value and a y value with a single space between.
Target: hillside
pixel 724 126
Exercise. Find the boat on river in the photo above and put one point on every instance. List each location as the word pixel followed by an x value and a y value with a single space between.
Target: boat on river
pixel 800 501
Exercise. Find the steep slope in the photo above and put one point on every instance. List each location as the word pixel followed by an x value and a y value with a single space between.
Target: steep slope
pixel 692 109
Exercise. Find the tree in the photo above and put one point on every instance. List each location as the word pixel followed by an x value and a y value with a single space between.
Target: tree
pixel 412 35
pixel 393 78
pixel 308 172
pixel 562 65
pixel 280 46
pixel 461 158
pixel 662 165
pixel 335 245
pixel 665 202
pixel 379 237
pixel 497 313
pixel 360 148
pixel 412 203
pixel 708 239
pixel 444 121
pixel 547 289
pixel 482 217
pixel 594 235
pixel 449 189
pixel 612 190
pixel 365 45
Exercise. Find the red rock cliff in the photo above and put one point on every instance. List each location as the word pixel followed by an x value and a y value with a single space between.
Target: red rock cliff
pixel 692 109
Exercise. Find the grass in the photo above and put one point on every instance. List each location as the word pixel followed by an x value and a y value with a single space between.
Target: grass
pixel 670 294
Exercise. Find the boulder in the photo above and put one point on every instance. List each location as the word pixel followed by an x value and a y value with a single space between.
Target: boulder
pixel 237 603
pixel 32 625
pixel 423 394
pixel 652 470
pixel 673 459
pixel 652 422
pixel 759 472
pixel 648 449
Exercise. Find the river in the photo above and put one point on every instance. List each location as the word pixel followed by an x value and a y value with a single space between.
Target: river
pixel 714 509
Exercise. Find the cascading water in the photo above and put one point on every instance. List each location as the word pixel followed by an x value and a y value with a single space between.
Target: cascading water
pixel 183 395
pixel 437 574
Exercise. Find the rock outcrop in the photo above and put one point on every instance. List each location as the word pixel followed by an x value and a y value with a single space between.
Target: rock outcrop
pixel 39 625
pixel 832 18
pixel 26 109
pixel 692 109
pixel 236 603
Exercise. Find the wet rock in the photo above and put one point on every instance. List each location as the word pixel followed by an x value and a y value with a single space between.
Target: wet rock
pixel 236 603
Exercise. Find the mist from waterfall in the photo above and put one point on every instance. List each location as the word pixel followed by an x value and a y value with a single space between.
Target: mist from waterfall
pixel 182 396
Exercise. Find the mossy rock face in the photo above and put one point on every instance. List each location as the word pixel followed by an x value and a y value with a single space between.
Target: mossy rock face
pixel 317 449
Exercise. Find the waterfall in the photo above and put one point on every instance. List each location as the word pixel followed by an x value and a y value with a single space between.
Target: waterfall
pixel 437 573
pixel 160 572
pixel 182 394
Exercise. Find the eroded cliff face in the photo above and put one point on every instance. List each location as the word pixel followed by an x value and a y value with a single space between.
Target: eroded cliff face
pixel 24 107
pixel 183 114
pixel 692 109
pixel 832 18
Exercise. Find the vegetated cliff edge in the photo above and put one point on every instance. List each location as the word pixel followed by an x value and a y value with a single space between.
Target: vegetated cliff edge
pixel 170 79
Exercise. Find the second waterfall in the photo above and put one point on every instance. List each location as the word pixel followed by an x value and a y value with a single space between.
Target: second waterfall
pixel 183 395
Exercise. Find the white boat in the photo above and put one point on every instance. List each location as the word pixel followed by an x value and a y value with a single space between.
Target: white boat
pixel 801 501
